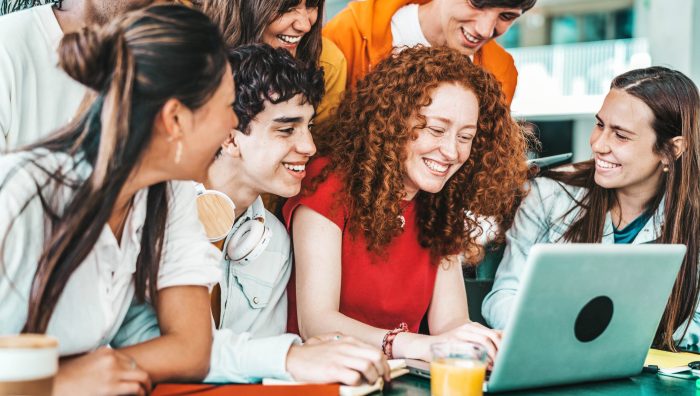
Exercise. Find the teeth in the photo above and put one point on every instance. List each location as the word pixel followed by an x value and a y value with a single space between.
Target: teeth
pixel 605 164
pixel 469 37
pixel 295 168
pixel 289 39
pixel 435 166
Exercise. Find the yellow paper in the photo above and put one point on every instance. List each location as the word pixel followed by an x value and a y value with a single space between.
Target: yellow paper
pixel 665 360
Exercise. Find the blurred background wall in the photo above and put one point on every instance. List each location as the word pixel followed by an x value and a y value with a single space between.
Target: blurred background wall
pixel 568 51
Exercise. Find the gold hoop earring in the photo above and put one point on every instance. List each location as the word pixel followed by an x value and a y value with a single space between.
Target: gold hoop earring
pixel 178 152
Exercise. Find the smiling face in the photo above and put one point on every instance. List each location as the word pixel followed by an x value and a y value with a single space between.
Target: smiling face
pixel 467 28
pixel 622 142
pixel 274 153
pixel 444 144
pixel 211 125
pixel 289 28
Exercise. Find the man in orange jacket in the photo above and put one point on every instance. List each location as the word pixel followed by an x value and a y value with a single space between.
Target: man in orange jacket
pixel 366 31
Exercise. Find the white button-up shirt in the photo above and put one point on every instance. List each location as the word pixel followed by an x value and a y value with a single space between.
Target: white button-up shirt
pixel 250 343
pixel 98 293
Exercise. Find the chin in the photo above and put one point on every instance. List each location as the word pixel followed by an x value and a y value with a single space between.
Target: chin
pixel 432 188
pixel 605 182
pixel 287 191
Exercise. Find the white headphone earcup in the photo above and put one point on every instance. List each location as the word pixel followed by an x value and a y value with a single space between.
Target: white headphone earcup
pixel 249 241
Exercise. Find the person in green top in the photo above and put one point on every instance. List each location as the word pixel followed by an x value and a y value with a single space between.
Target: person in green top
pixel 640 187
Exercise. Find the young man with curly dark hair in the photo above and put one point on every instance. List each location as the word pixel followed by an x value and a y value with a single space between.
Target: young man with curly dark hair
pixel 275 103
pixel 423 137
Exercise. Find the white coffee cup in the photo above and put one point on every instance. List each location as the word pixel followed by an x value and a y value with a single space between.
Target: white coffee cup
pixel 28 364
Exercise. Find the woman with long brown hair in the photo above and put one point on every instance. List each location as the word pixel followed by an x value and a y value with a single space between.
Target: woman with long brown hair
pixel 91 217
pixel 640 187
pixel 425 137
pixel 294 25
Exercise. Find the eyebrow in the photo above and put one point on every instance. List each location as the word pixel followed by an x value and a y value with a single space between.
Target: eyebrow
pixel 448 121
pixel 288 120
pixel 616 127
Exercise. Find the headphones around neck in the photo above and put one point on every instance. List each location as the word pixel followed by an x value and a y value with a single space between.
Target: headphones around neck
pixel 217 214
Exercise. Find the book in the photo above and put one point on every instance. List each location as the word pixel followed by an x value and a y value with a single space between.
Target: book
pixel 397 366
pixel 245 389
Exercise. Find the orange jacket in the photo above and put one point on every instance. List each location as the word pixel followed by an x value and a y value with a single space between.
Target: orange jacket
pixel 362 31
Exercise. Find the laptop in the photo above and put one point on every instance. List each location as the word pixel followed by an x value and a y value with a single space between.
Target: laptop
pixel 584 312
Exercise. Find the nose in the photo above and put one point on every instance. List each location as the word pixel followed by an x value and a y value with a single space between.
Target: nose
pixel 305 145
pixel 448 147
pixel 302 20
pixel 599 141
pixel 486 24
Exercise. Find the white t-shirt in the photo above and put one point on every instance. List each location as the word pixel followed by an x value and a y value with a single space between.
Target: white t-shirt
pixel 405 28
pixel 36 96
pixel 96 297
pixel 251 342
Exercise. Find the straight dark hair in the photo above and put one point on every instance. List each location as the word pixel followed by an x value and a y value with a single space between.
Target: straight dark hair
pixel 134 65
pixel 673 99
pixel 244 21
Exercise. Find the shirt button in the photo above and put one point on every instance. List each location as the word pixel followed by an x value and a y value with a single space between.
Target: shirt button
pixel 255 300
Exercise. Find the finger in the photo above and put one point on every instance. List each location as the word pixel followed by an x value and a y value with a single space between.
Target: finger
pixel 492 335
pixel 374 355
pixel 386 369
pixel 349 376
pixel 363 366
pixel 476 338
pixel 127 388
pixel 136 375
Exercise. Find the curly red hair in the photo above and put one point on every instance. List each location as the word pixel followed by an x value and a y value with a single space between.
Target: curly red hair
pixel 366 141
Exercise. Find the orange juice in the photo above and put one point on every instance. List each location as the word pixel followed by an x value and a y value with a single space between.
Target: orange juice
pixel 456 377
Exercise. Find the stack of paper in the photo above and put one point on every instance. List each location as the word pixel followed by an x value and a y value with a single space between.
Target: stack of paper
pixel 670 362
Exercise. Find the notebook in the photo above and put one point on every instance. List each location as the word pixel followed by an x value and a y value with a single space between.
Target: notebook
pixel 398 368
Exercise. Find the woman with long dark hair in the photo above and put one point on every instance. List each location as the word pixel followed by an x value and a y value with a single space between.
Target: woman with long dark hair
pixel 92 217
pixel 641 186
pixel 294 25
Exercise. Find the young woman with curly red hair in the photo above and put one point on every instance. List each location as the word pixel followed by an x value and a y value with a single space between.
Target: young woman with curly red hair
pixel 425 137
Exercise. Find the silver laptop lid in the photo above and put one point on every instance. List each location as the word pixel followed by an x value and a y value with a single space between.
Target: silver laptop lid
pixel 585 312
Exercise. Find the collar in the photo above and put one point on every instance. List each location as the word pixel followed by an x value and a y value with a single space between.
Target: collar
pixel 649 233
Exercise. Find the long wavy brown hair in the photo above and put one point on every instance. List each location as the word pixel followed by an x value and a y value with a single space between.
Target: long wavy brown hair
pixel 366 143
pixel 243 22
pixel 675 102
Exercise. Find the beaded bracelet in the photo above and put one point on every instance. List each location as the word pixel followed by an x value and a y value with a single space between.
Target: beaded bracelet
pixel 388 341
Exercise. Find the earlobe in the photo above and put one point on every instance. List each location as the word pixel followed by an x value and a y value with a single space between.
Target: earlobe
pixel 171 120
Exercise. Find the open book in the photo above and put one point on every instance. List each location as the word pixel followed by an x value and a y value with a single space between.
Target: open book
pixel 398 368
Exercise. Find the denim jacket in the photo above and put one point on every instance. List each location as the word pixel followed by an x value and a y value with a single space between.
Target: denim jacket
pixel 542 218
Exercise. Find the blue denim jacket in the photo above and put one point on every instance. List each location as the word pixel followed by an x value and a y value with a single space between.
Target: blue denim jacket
pixel 542 218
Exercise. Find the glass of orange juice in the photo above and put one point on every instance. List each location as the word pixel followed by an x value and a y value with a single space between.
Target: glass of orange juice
pixel 457 369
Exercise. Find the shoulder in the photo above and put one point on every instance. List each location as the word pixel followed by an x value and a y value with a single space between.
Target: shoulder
pixel 27 28
pixel 497 60
pixel 279 240
pixel 547 188
pixel 37 165
pixel 551 196
pixel 332 58
pixel 323 197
